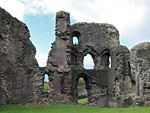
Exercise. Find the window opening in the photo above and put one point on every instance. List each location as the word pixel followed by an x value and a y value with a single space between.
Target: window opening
pixel 106 60
pixel 88 62
pixel 46 82
pixel 109 61
pixel 76 37
pixel 75 40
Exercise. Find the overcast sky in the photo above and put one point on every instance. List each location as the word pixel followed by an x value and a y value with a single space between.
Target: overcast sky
pixel 130 17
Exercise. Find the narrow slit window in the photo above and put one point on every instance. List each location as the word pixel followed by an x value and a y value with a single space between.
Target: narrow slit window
pixel 109 61
pixel 46 82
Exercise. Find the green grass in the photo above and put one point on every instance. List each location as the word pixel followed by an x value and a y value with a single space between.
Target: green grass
pixel 81 82
pixel 46 85
pixel 84 100
pixel 69 109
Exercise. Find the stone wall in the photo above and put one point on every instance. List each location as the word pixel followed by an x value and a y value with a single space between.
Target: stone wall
pixel 101 41
pixel 58 64
pixel 140 64
pixel 17 61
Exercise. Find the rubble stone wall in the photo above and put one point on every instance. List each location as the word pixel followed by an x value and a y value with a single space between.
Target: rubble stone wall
pixel 101 41
pixel 140 65
pixel 17 60
pixel 58 64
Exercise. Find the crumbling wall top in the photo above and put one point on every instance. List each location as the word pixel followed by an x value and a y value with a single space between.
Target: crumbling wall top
pixel 95 34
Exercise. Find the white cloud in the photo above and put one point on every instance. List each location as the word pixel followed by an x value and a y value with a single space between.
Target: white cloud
pixel 88 62
pixel 118 12
pixel 14 7
pixel 42 58
pixel 126 15
pixel 131 17
pixel 121 13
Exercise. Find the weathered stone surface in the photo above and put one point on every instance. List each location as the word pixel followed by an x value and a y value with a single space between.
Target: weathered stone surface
pixel 140 64
pixel 127 102
pixel 17 60
pixel 59 57
pixel 101 41
pixel 109 84
pixel 65 61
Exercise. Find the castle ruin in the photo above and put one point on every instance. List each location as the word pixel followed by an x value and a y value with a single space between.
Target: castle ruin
pixel 120 77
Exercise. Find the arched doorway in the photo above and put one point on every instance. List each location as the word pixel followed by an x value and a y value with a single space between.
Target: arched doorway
pixel 82 88
pixel 82 91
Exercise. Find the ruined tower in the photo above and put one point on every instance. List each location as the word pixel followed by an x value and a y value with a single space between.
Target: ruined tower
pixel 58 64
pixel 65 62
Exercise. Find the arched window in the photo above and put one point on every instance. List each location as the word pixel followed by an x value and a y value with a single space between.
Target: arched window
pixel 106 60
pixel 88 62
pixel 75 40
pixel 76 37
pixel 46 82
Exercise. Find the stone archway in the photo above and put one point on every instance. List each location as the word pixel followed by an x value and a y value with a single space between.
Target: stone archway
pixel 75 84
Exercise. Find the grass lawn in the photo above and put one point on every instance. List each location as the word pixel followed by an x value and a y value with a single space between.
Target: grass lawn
pixel 46 85
pixel 69 109
pixel 84 100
